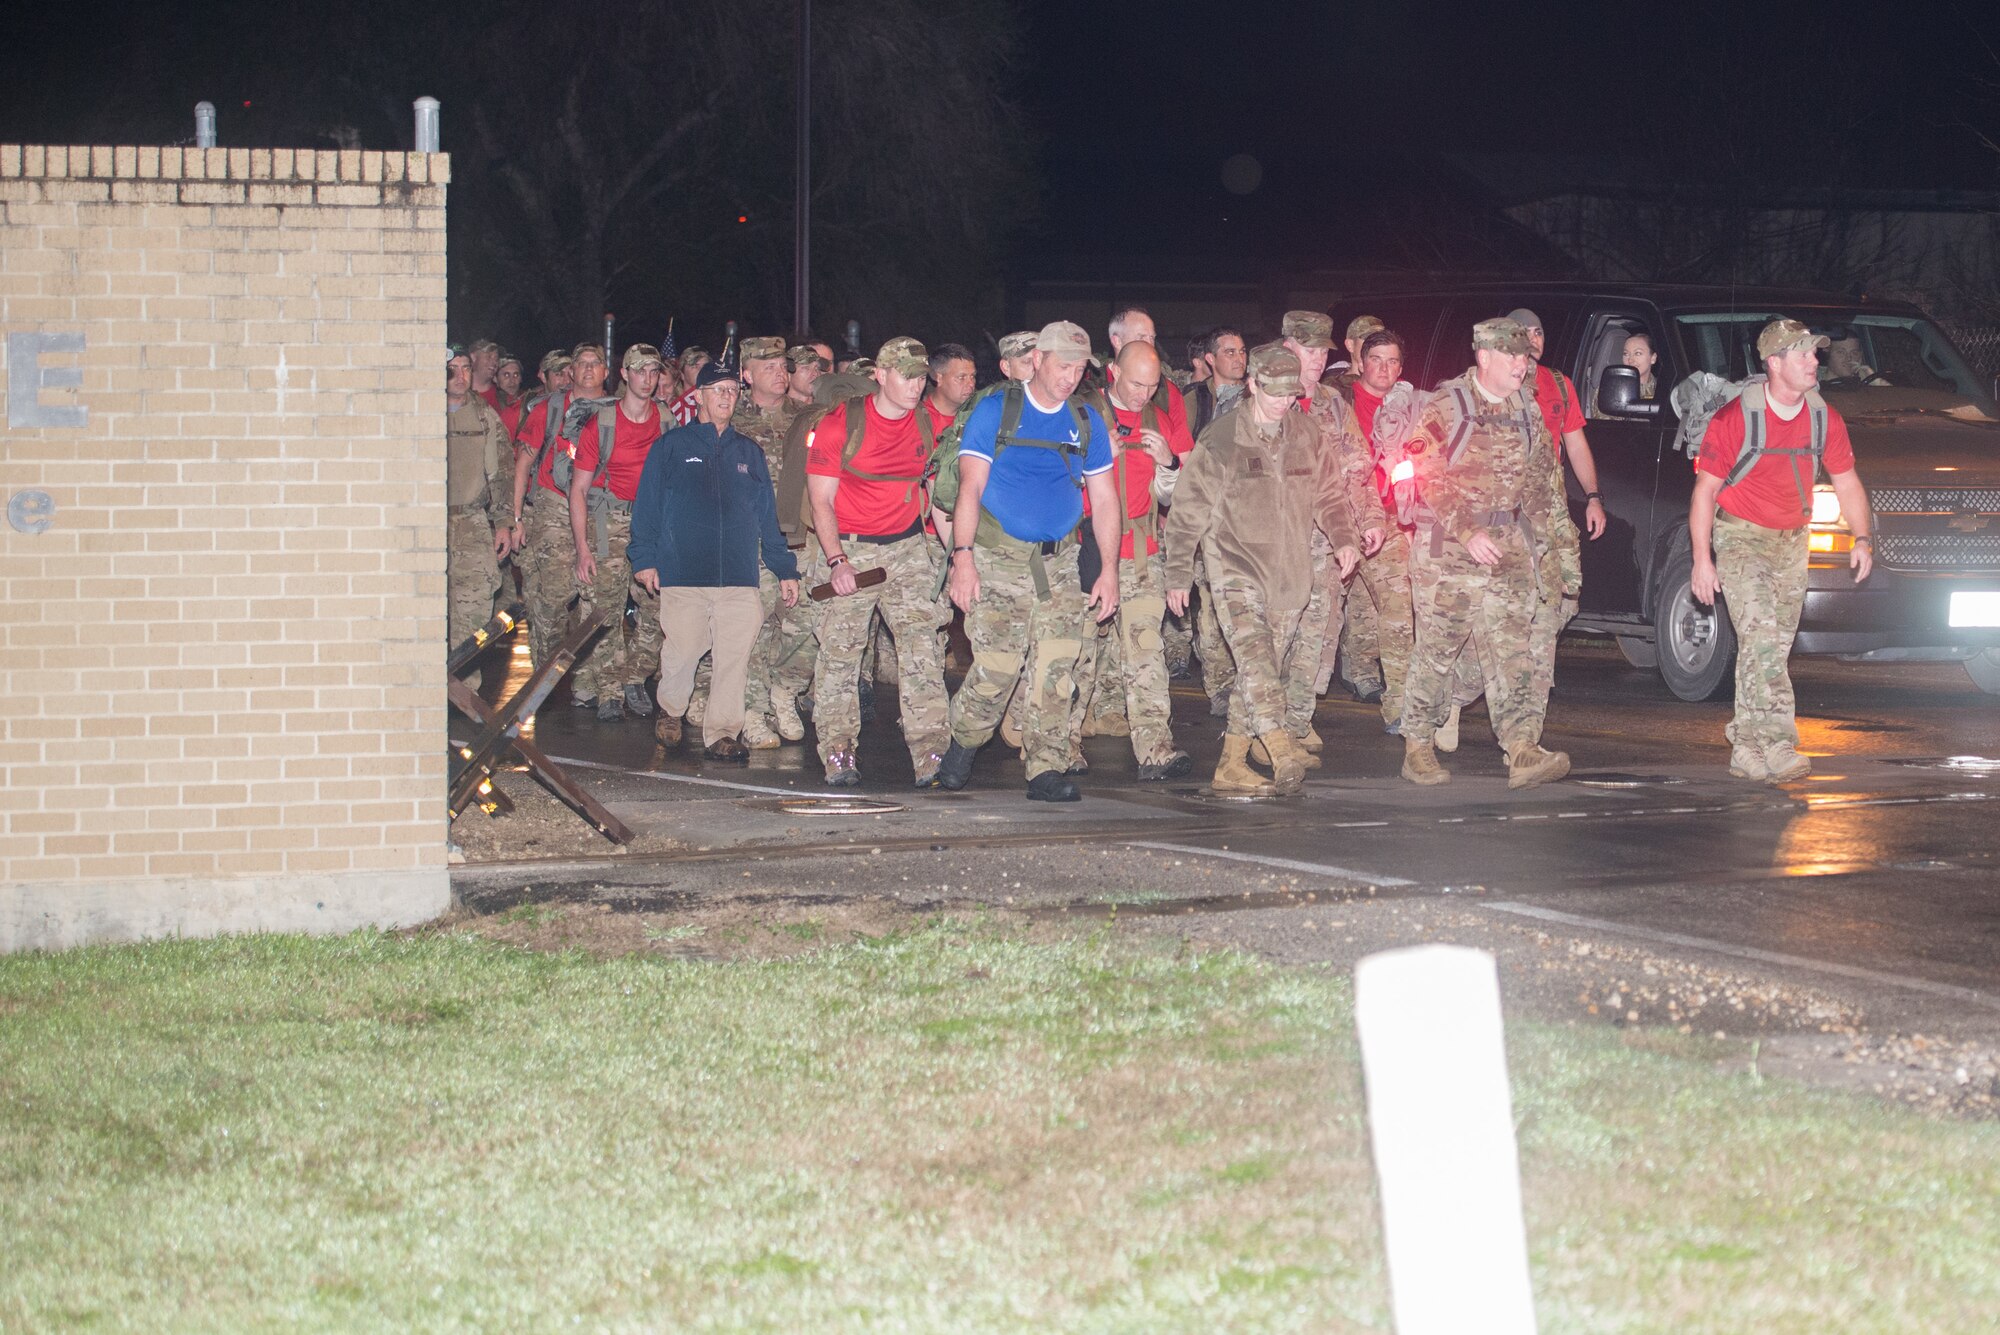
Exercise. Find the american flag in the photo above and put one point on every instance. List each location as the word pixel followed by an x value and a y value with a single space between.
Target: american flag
pixel 667 349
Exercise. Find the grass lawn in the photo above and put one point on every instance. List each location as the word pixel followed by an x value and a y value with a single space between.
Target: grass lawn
pixel 961 1126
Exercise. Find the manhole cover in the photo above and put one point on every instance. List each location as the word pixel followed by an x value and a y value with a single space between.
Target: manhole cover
pixel 1612 779
pixel 825 806
pixel 1956 764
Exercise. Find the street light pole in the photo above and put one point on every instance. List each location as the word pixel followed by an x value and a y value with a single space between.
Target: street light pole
pixel 802 179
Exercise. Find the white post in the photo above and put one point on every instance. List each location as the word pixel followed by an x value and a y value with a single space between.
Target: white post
pixel 1442 1122
pixel 204 125
pixel 426 136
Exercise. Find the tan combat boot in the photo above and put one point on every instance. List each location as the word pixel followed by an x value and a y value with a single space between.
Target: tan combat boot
pixel 1529 765
pixel 1288 761
pixel 1312 741
pixel 785 712
pixel 1747 762
pixel 1233 774
pixel 757 734
pixel 1260 754
pixel 1785 764
pixel 1446 739
pixel 1420 764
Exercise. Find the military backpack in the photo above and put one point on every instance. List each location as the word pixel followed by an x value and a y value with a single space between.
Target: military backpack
pixel 1702 395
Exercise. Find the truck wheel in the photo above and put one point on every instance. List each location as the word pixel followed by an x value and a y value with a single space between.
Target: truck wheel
pixel 1984 669
pixel 1696 645
pixel 1639 653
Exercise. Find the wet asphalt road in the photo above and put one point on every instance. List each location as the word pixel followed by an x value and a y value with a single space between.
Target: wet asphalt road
pixel 1877 875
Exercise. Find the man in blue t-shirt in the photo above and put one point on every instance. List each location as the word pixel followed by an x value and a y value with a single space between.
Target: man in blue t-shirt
pixel 1025 458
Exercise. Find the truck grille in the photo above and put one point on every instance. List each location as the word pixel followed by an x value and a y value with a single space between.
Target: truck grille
pixel 1937 529
pixel 1935 500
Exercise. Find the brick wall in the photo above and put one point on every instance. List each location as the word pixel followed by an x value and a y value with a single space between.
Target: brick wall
pixel 222 566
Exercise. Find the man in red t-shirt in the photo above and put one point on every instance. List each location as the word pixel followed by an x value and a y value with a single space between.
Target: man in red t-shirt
pixel 544 550
pixel 1121 674
pixel 868 508
pixel 485 355
pixel 601 492
pixel 1761 540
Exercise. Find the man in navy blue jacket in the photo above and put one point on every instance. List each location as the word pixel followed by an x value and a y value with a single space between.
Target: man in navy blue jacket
pixel 705 515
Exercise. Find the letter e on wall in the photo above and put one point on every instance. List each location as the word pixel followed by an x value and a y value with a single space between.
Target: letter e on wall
pixel 27 378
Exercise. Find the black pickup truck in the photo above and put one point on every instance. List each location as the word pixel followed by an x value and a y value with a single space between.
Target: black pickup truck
pixel 1926 436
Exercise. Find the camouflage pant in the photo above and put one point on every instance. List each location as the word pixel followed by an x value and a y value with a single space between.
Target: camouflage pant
pixel 909 604
pixel 1489 611
pixel 1359 643
pixel 1211 646
pixel 1011 628
pixel 1262 641
pixel 472 575
pixel 548 574
pixel 1300 696
pixel 1383 583
pixel 1763 574
pixel 614 659
pixel 1552 610
pixel 1122 669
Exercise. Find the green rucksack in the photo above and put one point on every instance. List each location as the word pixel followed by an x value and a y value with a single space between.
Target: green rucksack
pixel 942 474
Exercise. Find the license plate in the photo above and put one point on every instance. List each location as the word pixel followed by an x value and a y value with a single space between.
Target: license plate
pixel 1975 608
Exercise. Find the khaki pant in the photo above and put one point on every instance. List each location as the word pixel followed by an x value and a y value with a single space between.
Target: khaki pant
pixel 721 622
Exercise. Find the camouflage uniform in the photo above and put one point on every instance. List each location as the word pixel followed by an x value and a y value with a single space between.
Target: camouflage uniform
pixel 1763 572
pixel 1249 497
pixel 910 605
pixel 547 559
pixel 617 660
pixel 1011 629
pixel 1122 669
pixel 1499 484
pixel 479 481
pixel 1347 452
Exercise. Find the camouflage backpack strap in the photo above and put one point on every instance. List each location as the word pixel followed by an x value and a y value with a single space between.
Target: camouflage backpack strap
pixel 552 415
pixel 857 430
pixel 1752 402
pixel 599 499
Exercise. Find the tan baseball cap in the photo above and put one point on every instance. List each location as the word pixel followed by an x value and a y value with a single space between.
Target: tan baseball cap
pixel 1309 329
pixel 762 349
pixel 1361 326
pixel 1275 369
pixel 905 356
pixel 638 355
pixel 1061 339
pixel 1502 335
pixel 1525 318
pixel 1783 335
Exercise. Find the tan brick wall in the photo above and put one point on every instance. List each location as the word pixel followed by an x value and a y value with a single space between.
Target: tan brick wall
pixel 220 663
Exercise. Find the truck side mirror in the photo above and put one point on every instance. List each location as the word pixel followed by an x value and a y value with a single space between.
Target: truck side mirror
pixel 1618 395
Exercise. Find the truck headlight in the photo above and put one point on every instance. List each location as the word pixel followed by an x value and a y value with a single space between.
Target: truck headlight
pixel 1826 508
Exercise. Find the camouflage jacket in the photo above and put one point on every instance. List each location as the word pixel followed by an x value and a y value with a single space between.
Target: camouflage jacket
pixel 1507 463
pixel 479 460
pixel 768 427
pixel 1340 433
pixel 1250 497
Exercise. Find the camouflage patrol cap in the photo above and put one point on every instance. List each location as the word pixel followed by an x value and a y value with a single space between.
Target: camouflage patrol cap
pixel 1309 329
pixel 1502 336
pixel 638 355
pixel 906 357
pixel 1781 336
pixel 804 355
pixel 594 349
pixel 762 349
pixel 1361 326
pixel 1275 369
pixel 694 353
pixel 554 360
pixel 1063 340
pixel 1018 344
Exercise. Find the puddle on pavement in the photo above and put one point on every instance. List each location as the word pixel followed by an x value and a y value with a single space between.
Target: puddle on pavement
pixel 1952 764
pixel 1615 779
pixel 823 806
